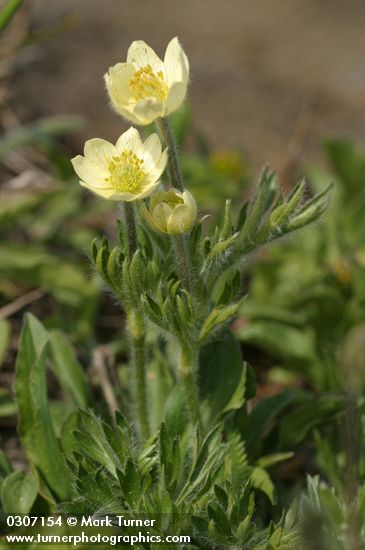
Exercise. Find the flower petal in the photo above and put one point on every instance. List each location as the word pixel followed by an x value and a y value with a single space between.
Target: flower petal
pixel 175 97
pixel 149 189
pixel 127 112
pixel 152 150
pixel 146 215
pixel 141 54
pixel 156 199
pixel 159 167
pixel 99 151
pixel 130 197
pixel 116 80
pixel 147 110
pixel 161 215
pixel 130 140
pixel 190 203
pixel 181 220
pixel 105 192
pixel 126 196
pixel 90 172
pixel 176 63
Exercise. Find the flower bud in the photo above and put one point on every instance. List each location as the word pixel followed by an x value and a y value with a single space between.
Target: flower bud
pixel 172 212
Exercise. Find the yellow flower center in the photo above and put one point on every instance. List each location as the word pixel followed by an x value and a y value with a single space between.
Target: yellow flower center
pixel 168 197
pixel 145 83
pixel 126 173
pixel 172 199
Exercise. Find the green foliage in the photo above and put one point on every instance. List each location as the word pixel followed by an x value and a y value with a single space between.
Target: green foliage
pixel 35 426
pixel 221 360
pixel 181 484
pixel 7 12
pixel 68 370
pixel 44 132
pixel 4 338
pixel 45 228
pixel 315 283
pixel 18 493
pixel 337 525
pixel 299 318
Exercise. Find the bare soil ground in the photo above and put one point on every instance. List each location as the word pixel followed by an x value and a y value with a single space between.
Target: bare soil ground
pixel 271 76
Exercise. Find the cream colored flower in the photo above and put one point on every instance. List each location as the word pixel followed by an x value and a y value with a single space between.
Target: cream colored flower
pixel 146 88
pixel 126 171
pixel 171 212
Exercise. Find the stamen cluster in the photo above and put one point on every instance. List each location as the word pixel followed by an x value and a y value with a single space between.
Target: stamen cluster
pixel 145 83
pixel 126 173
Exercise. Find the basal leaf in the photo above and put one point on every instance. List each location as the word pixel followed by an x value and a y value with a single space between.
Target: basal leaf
pixel 220 372
pixel 18 493
pixel 35 425
pixel 68 370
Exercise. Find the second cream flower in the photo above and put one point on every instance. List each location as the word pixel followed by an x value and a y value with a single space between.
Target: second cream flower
pixel 126 171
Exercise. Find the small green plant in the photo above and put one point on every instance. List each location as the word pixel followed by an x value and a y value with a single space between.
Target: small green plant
pixel 188 448
pixel 163 270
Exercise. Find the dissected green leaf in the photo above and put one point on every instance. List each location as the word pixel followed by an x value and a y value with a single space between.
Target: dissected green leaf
pixel 260 479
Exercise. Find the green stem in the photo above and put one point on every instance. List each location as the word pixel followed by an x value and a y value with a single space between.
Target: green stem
pixel 167 140
pixel 188 365
pixel 8 12
pixel 130 224
pixel 183 260
pixel 137 331
pixel 180 242
pixel 138 356
pixel 188 368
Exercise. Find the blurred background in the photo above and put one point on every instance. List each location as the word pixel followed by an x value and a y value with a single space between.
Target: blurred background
pixel 273 78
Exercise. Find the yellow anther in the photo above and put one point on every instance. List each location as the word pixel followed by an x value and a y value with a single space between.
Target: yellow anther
pixel 126 172
pixel 172 199
pixel 145 83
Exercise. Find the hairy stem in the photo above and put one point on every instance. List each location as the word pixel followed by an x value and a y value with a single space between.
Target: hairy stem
pixel 136 327
pixel 130 224
pixel 167 140
pixel 188 368
pixel 183 260
pixel 180 242
pixel 138 356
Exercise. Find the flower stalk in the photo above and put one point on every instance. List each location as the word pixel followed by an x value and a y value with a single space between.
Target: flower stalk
pixel 130 225
pixel 188 370
pixel 182 255
pixel 168 140
pixel 188 365
pixel 136 328
pixel 183 261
